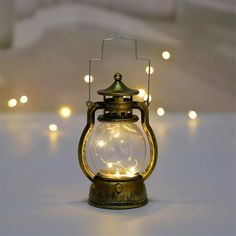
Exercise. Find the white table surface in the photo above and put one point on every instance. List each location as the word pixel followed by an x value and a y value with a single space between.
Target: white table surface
pixel 43 190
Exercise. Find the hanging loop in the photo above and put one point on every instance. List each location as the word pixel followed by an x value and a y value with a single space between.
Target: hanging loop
pixel 136 56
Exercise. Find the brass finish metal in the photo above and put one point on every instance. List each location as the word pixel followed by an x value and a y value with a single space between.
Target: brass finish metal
pixel 118 194
pixel 118 88
pixel 119 107
pixel 143 108
pixel 121 193
pixel 92 107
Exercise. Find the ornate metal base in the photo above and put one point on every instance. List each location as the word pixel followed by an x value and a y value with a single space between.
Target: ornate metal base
pixel 118 194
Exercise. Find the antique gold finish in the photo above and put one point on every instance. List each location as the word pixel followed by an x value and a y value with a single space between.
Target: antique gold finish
pixel 92 107
pixel 119 107
pixel 151 138
pixel 123 193
pixel 118 194
pixel 108 190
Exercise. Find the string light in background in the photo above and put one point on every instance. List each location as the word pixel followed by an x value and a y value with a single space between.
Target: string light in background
pixel 166 55
pixel 141 93
pixel 65 112
pixel 149 70
pixel 146 97
pixel 24 99
pixel 192 115
pixel 53 127
pixel 86 78
pixel 12 102
pixel 160 111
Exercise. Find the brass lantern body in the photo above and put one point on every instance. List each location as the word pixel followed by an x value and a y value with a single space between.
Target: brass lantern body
pixel 117 106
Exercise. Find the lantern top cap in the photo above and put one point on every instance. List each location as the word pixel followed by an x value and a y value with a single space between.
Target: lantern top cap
pixel 118 88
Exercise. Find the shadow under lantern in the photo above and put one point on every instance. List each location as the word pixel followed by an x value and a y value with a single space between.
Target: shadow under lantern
pixel 117 147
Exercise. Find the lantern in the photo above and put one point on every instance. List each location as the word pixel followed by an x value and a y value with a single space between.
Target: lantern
pixel 117 147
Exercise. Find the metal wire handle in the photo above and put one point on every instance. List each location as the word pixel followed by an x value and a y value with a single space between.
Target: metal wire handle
pixel 101 58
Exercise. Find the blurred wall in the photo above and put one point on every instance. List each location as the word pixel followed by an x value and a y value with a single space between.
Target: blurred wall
pixel 6 23
pixel 53 40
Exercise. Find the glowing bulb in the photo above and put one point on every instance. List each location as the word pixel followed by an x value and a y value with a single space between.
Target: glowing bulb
pixel 149 70
pixel 192 115
pixel 116 135
pixel 101 143
pixel 117 174
pixel 65 112
pixel 23 99
pixel 113 148
pixel 141 93
pixel 132 170
pixel 86 78
pixel 146 97
pixel 12 102
pixel 109 164
pixel 52 127
pixel 160 111
pixel 166 55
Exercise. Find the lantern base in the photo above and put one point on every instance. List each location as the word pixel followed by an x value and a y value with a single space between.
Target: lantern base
pixel 118 194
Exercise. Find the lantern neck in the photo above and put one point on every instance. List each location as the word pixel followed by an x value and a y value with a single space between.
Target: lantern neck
pixel 118 102
pixel 118 109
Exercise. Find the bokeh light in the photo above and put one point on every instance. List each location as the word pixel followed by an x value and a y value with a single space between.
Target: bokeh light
pixel 141 93
pixel 86 78
pixel 12 102
pixel 65 112
pixel 192 115
pixel 160 111
pixel 53 127
pixel 146 97
pixel 24 99
pixel 166 55
pixel 149 70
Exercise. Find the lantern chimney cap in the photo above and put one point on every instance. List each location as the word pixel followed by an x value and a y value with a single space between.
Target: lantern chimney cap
pixel 118 88
pixel 117 77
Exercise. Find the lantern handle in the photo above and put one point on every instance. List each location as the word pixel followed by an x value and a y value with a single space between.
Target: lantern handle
pixel 143 108
pixel 136 56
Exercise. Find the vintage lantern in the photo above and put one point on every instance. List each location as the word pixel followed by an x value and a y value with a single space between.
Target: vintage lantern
pixel 117 147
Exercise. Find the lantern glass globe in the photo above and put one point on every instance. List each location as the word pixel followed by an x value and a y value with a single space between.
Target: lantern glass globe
pixel 117 150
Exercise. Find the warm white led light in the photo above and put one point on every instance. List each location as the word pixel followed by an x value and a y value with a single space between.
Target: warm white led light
pixel 192 115
pixel 141 93
pixel 109 164
pixel 86 78
pixel 146 97
pixel 116 135
pixel 113 149
pixel 101 143
pixel 53 127
pixel 12 102
pixel 23 99
pixel 149 70
pixel 166 55
pixel 132 170
pixel 65 112
pixel 117 174
pixel 160 111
